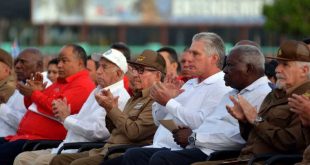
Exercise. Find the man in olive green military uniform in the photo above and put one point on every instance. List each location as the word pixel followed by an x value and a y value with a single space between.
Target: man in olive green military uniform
pixel 133 126
pixel 275 128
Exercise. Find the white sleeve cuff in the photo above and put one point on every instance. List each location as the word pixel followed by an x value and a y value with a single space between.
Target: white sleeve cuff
pixel 69 122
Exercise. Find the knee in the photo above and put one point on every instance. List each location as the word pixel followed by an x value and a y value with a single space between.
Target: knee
pixel 22 159
pixel 57 160
pixel 160 157
pixel 133 153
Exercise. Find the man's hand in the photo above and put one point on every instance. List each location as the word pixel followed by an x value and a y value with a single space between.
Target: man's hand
pixel 61 109
pixel 172 82
pixel 36 82
pixel 106 100
pixel 25 90
pixel 236 110
pixel 249 111
pixel 181 136
pixel 162 93
pixel 301 105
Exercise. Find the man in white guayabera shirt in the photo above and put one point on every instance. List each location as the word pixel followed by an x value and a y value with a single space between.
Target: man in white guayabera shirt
pixel 89 124
pixel 197 98
pixel 28 62
pixel 245 73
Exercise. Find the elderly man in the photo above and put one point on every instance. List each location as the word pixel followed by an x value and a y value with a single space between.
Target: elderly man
pixel 28 62
pixel 40 122
pixel 89 124
pixel 275 129
pixel 245 73
pixel 135 124
pixel 300 104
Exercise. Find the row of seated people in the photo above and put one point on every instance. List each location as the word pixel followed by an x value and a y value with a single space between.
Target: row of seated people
pixel 198 107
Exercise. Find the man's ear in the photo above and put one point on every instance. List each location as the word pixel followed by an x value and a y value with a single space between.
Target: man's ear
pixel 174 65
pixel 305 70
pixel 215 59
pixel 119 73
pixel 159 75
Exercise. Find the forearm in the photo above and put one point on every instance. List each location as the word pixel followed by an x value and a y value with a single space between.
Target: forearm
pixel 94 131
pixel 282 138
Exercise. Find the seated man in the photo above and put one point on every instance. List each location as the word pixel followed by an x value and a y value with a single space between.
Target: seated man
pixel 275 129
pixel 40 122
pixel 135 124
pixel 244 71
pixel 28 62
pixel 89 124
pixel 300 104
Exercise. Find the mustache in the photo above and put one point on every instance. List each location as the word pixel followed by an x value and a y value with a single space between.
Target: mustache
pixel 280 76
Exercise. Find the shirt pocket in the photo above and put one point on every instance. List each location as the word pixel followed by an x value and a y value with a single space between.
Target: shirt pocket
pixel 279 116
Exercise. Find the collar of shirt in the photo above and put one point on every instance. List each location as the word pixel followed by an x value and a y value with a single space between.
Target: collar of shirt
pixel 113 87
pixel 210 80
pixel 74 76
pixel 143 93
pixel 261 81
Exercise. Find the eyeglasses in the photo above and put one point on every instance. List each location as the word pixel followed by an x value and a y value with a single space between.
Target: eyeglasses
pixel 140 69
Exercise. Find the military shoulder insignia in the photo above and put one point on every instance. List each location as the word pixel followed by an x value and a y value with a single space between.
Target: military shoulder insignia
pixel 138 106
pixel 307 94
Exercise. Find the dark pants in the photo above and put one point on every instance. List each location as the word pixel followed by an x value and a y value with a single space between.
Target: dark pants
pixel 162 156
pixel 9 150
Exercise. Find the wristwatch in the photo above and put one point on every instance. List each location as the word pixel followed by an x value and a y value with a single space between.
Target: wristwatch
pixel 258 120
pixel 192 138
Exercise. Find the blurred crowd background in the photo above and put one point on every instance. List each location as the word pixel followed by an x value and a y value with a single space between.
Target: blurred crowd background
pixel 96 24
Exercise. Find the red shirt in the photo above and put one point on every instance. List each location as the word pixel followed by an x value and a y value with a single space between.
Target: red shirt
pixel 75 88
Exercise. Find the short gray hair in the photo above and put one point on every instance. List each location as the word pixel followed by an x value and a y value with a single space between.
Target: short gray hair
pixel 301 64
pixel 213 44
pixel 251 55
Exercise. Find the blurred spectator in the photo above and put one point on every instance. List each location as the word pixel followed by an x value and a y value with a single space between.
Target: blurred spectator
pixel 187 66
pixel 92 67
pixel 52 70
pixel 171 58
pixel 307 41
pixel 40 120
pixel 270 72
pixel 120 46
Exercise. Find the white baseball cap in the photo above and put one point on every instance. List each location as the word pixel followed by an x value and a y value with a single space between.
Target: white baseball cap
pixel 114 56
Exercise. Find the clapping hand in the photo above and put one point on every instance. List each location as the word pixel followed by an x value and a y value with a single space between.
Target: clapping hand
pixel 106 100
pixel 61 109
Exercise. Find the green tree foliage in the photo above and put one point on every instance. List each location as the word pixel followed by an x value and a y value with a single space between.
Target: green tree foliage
pixel 290 17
